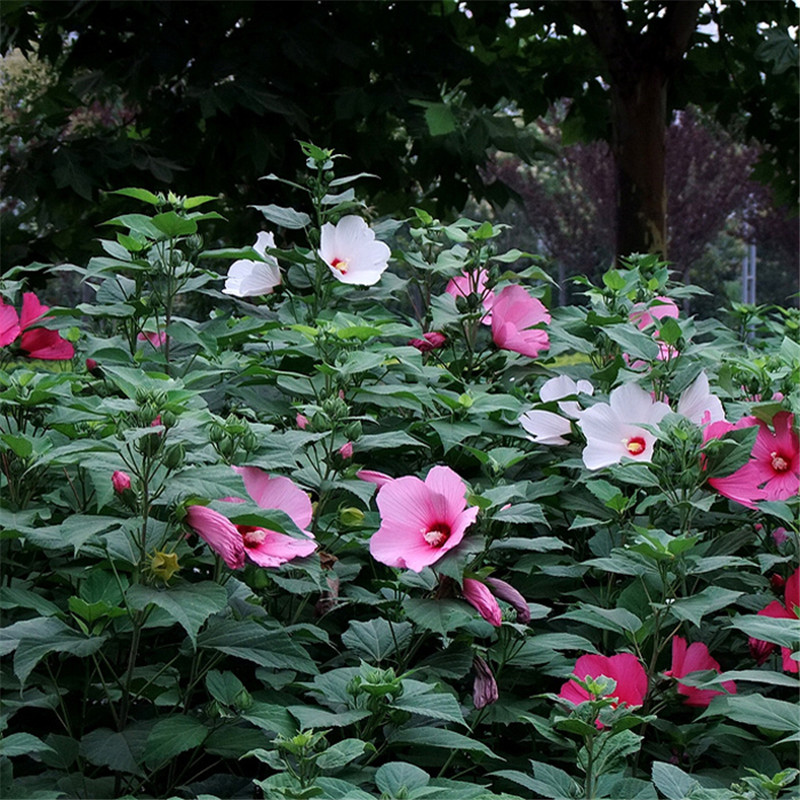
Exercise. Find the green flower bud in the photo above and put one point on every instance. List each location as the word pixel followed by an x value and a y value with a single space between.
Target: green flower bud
pixel 173 458
pixel 353 431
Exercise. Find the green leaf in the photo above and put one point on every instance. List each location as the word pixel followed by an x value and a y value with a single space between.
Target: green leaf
pixel 440 616
pixel 314 717
pixel 22 744
pixel 672 781
pixel 224 687
pixel 138 194
pixel 398 778
pixel 173 224
pixel 440 737
pixel 106 748
pixel 785 632
pixel 522 514
pixel 440 119
pixel 755 709
pixel 421 698
pixel 377 638
pixel 253 642
pixel 285 217
pixel 172 736
pixel 189 604
pixel 694 608
pixel 341 753
pixel 609 619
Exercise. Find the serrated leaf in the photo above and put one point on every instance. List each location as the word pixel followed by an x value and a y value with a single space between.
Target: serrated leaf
pixel 189 604
pixel 377 638
pixel 694 608
pixel 420 698
pixel 22 744
pixel 171 737
pixel 397 777
pixel 440 737
pixel 672 781
pixel 106 748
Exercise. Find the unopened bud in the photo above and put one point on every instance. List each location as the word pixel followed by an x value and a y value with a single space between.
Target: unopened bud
pixel 346 450
pixel 353 431
pixel 351 517
pixel 301 421
pixel 173 458
pixel 505 591
pixel 120 481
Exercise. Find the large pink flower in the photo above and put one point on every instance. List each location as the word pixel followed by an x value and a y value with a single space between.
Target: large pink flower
pixel 421 520
pixel 624 668
pixel 613 430
pixel 352 252
pixel 9 324
pixel 41 342
pixel 789 609
pixel 264 547
pixel 694 658
pixel 514 313
pixel 644 316
pixel 773 471
pixel 467 283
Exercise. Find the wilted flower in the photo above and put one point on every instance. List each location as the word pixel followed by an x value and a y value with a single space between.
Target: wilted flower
pixel 352 252
pixel 484 685
pixel 421 520
pixel 613 429
pixel 164 565
pixel 694 658
pixel 248 278
pixel 514 313
pixel 480 596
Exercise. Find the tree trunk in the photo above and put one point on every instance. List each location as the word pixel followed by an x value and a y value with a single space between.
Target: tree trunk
pixel 639 122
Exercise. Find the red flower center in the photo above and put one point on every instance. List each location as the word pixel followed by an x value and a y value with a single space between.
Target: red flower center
pixel 340 265
pixel 251 535
pixel 437 534
pixel 779 463
pixel 635 445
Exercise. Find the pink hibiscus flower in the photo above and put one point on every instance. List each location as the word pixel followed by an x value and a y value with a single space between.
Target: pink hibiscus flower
pixel 694 658
pixel 35 342
pixel 773 471
pixel 468 283
pixel 264 547
pixel 644 316
pixel 421 520
pixel 514 313
pixel 624 668
pixel 789 609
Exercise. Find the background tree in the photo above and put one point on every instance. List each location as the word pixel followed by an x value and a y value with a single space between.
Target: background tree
pixel 208 97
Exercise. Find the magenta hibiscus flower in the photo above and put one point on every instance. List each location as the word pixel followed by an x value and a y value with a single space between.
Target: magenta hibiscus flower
pixel 773 471
pixel 789 609
pixel 264 547
pixel 35 342
pixel 624 668
pixel 421 520
pixel 694 658
pixel 514 313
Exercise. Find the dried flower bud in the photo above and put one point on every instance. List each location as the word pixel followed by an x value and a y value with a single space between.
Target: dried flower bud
pixel 484 686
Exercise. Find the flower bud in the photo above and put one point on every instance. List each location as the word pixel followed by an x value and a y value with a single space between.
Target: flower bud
pixel 478 595
pixel 301 421
pixel 353 431
pixel 335 407
pixel 430 341
pixel 505 591
pixel 94 368
pixel 168 419
pixel 173 458
pixel 351 517
pixel 120 481
pixel 484 685
pixel 346 450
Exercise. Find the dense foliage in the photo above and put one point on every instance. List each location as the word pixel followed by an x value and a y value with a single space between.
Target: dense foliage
pixel 366 522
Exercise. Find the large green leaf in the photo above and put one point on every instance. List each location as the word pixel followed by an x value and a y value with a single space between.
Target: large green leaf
pixel 440 737
pixel 377 638
pixel 672 781
pixel 189 604
pixel 694 608
pixel 755 709
pixel 440 616
pixel 172 736
pixel 422 699
pixel 784 631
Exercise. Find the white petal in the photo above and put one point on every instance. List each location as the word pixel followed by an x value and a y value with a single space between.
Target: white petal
pixel 546 427
pixel 251 278
pixel 697 401
pixel 556 388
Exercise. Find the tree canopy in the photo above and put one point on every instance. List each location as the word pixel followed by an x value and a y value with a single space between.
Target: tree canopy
pixel 209 97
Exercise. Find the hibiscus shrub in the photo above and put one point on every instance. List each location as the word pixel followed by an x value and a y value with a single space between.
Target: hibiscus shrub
pixel 369 521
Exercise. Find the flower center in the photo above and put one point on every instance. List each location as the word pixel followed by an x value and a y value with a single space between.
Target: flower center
pixel 635 445
pixel 437 534
pixel 251 535
pixel 779 463
pixel 340 265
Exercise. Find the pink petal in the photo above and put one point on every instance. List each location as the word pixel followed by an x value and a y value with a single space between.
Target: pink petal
pixel 277 492
pixel 278 548
pixel 9 324
pixel 46 345
pixel 219 533
pixel 480 596
pixel 373 476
